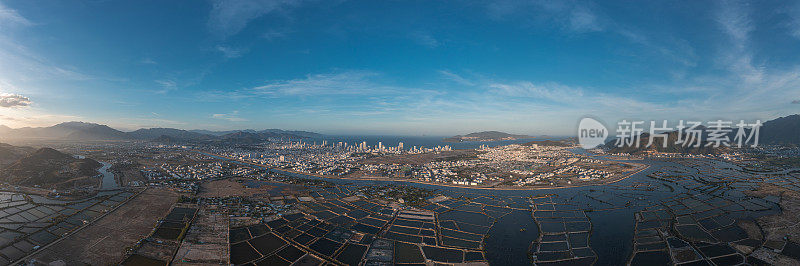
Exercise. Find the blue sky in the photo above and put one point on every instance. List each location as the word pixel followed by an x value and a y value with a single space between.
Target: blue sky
pixel 395 67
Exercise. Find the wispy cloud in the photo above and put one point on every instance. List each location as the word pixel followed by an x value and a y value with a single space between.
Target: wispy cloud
pixel 18 63
pixel 424 39
pixel 148 61
pixel 456 78
pixel 10 16
pixel 574 16
pixel 166 85
pixel 233 117
pixel 734 19
pixel 581 19
pixel 338 83
pixel 793 25
pixel 228 18
pixel 550 91
pixel 230 52
pixel 274 34
pixel 13 100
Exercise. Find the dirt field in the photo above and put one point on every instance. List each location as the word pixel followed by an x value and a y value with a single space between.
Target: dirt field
pixel 788 222
pixel 230 188
pixel 206 243
pixel 105 241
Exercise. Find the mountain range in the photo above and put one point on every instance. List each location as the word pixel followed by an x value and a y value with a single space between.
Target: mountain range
pixel 784 130
pixel 81 131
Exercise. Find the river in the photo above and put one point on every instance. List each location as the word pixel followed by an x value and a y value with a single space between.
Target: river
pixel 108 177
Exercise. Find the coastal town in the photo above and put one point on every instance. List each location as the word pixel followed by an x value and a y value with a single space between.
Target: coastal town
pixel 514 165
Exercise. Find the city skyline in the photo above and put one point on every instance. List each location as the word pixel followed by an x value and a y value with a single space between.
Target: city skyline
pixel 437 68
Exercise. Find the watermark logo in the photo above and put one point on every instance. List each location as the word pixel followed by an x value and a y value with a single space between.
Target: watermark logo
pixel 591 133
pixel 691 134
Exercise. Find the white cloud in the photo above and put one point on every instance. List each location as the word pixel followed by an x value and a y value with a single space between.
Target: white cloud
pixel 734 19
pixel 456 78
pixel 13 100
pixel 230 52
pixel 10 16
pixel 167 85
pixel 582 19
pixel 340 83
pixel 794 20
pixel 148 61
pixel 575 16
pixel 233 117
pixel 425 39
pixel 273 34
pixel 550 91
pixel 228 18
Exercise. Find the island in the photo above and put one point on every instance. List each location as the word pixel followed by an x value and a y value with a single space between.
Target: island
pixel 486 136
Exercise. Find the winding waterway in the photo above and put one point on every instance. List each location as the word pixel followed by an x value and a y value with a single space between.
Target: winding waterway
pixel 108 177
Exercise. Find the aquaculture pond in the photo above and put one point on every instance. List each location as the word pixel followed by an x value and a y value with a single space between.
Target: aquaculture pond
pixel 677 211
pixel 29 222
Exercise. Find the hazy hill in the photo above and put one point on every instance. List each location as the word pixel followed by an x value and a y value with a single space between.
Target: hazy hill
pixel 486 136
pixel 10 154
pixel 784 130
pixel 294 133
pixel 48 168
pixel 89 131
pixel 219 133
pixel 66 131
pixel 172 133
pixel 250 137
pixel 81 131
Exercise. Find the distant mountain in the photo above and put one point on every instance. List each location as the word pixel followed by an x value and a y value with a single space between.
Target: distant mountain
pixel 50 168
pixel 172 133
pixel 292 133
pixel 784 130
pixel 250 137
pixel 295 133
pixel 10 154
pixel 243 137
pixel 66 131
pixel 220 133
pixel 89 131
pixel 81 131
pixel 486 136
